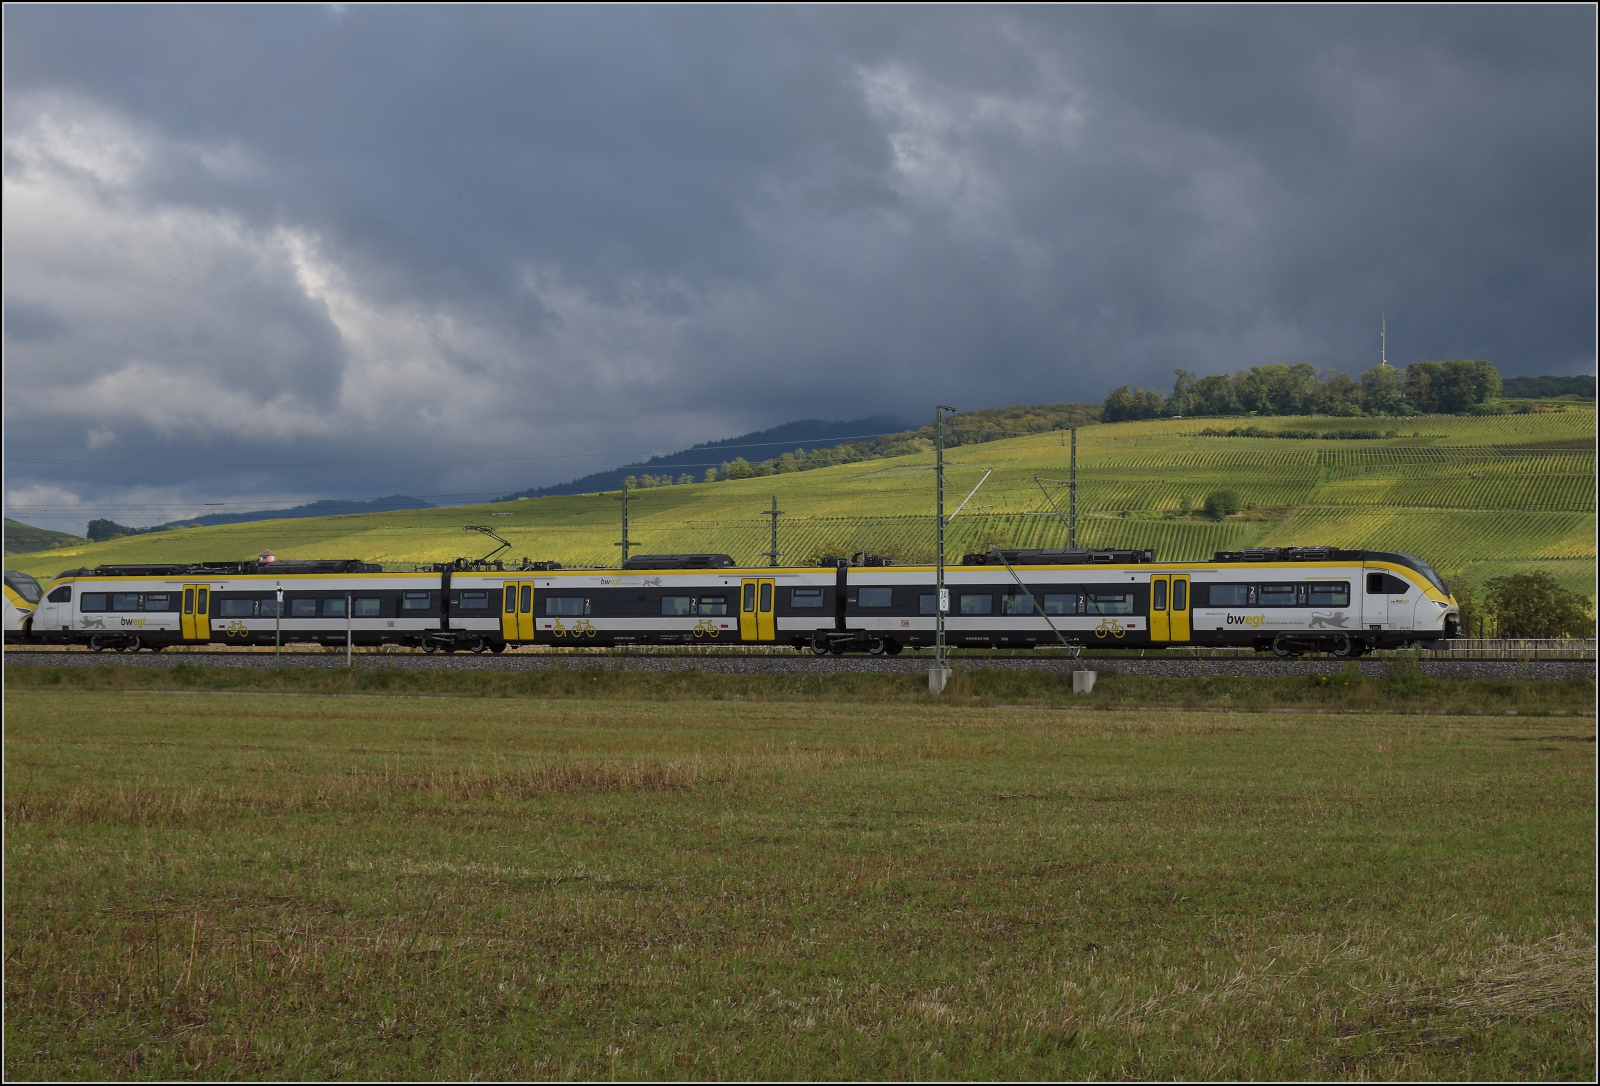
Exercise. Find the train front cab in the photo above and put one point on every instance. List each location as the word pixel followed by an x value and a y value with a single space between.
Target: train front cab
pixel 1169 608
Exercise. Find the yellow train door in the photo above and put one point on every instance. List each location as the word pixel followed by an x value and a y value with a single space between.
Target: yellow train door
pixel 766 621
pixel 749 625
pixel 516 616
pixel 196 621
pixel 1179 609
pixel 1160 622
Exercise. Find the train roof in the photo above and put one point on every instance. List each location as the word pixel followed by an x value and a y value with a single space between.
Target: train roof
pixel 219 569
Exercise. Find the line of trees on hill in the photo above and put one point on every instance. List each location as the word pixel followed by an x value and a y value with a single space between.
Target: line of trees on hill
pixel 968 428
pixel 1424 388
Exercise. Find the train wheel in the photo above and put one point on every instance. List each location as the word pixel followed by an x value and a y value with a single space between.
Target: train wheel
pixel 97 645
pixel 135 644
pixel 1344 647
pixel 480 647
pixel 498 647
pixel 1280 647
pixel 877 646
pixel 894 648
pixel 819 646
pixel 429 645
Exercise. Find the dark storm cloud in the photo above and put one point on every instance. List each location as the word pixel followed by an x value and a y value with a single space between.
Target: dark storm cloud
pixel 320 236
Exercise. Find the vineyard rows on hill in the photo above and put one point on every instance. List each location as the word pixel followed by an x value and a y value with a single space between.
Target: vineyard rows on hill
pixel 1447 495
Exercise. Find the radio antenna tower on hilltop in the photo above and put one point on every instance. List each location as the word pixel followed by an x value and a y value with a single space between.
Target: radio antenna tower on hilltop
pixel 1383 341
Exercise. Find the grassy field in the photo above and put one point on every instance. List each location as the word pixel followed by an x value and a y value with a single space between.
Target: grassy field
pixel 628 878
pixel 1476 496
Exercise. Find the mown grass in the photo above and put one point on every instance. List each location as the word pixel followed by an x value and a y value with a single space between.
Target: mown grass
pixel 1404 688
pixel 623 881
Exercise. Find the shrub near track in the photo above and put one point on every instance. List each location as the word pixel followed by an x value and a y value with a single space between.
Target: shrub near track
pixel 220 886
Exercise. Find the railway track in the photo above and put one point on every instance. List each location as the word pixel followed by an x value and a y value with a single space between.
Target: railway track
pixel 1166 665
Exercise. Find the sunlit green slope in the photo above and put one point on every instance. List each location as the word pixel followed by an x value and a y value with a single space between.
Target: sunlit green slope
pixel 1476 496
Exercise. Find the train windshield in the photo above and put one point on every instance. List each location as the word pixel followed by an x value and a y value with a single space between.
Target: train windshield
pixel 1423 568
pixel 23 585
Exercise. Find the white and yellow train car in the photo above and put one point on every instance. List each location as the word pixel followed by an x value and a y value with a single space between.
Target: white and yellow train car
pixel 1288 601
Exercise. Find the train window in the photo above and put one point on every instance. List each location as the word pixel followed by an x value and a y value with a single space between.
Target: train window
pixel 368 608
pixel 749 597
pixel 713 605
pixel 270 608
pixel 92 601
pixel 1230 595
pixel 1111 603
pixel 333 607
pixel 1381 583
pixel 1276 595
pixel 527 599
pixel 1016 605
pixel 876 596
pixel 766 598
pixel 236 608
pixel 302 608
pixel 1060 603
pixel 511 599
pixel 563 605
pixel 124 601
pixel 677 605
pixel 977 605
pixel 928 604
pixel 188 601
pixel 805 597
pixel 474 601
pixel 414 601
pixel 200 597
pixel 157 601
pixel 1180 594
pixel 1330 594
pixel 1158 595
pixel 61 595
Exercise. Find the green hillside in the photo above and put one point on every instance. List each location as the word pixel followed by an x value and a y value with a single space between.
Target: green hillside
pixel 25 538
pixel 1476 496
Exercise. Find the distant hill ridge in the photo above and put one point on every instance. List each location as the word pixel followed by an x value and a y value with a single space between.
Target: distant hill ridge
pixel 25 538
pixel 758 445
pixel 1548 388
pixel 101 530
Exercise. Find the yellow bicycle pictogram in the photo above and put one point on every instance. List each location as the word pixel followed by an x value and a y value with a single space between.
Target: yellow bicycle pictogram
pixel 237 629
pixel 1109 626
pixel 581 628
pixel 707 628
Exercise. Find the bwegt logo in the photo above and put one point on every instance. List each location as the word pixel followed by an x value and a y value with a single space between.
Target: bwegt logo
pixel 1246 620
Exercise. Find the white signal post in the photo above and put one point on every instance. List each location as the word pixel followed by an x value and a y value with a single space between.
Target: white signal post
pixel 349 634
pixel 277 627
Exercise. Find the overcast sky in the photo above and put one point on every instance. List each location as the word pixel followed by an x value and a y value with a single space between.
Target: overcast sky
pixel 286 253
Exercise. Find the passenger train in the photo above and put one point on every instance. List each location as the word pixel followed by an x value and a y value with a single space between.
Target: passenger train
pixel 1288 601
